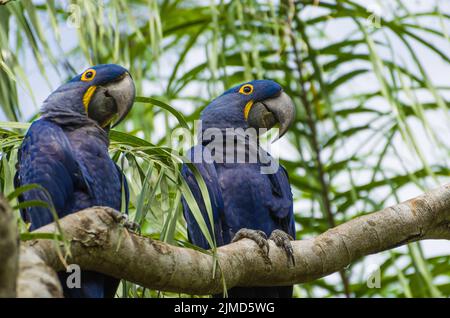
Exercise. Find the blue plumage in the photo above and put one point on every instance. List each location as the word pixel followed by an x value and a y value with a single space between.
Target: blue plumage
pixel 66 152
pixel 241 196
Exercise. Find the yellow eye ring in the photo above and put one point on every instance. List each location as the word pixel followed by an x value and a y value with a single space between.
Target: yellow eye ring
pixel 88 75
pixel 246 89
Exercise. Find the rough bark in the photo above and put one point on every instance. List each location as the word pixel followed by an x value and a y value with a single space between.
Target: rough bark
pixel 36 279
pixel 9 250
pixel 99 242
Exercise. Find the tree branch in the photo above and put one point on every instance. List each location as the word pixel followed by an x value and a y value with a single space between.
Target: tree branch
pixel 9 250
pixel 311 121
pixel 99 242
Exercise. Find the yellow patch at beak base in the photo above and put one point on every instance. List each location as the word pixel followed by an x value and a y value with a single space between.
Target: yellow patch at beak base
pixel 87 97
pixel 247 109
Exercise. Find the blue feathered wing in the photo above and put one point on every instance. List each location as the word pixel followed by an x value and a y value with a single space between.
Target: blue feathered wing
pixel 241 197
pixel 46 158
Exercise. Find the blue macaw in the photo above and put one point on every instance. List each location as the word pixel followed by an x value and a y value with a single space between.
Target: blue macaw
pixel 246 202
pixel 66 152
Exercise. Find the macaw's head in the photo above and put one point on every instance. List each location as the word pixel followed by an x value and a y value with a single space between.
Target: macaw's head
pixel 257 104
pixel 103 93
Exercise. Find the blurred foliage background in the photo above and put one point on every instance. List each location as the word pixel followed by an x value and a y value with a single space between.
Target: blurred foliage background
pixel 370 80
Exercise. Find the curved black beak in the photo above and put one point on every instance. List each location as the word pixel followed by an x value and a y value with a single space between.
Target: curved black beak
pixel 113 101
pixel 267 113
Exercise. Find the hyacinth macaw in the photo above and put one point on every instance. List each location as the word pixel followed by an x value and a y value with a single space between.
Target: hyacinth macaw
pixel 66 152
pixel 246 203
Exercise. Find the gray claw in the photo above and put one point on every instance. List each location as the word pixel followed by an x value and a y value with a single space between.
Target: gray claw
pixel 259 237
pixel 283 240
pixel 128 224
pixel 133 227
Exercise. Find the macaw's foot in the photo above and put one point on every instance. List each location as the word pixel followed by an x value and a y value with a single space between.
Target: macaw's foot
pixel 259 237
pixel 283 240
pixel 129 225
pixel 123 220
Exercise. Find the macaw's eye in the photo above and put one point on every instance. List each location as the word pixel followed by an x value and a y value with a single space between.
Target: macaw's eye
pixel 88 75
pixel 246 89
